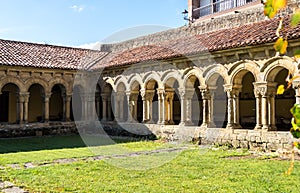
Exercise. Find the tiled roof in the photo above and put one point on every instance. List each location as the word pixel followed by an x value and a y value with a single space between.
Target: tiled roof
pixel 246 35
pixel 46 56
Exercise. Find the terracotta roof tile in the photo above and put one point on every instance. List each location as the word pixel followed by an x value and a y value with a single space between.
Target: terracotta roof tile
pixel 46 56
pixel 246 35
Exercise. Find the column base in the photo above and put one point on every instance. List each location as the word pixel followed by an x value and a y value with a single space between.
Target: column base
pixel 186 123
pixel 258 127
pixel 237 126
pixel 211 125
pixel 230 126
pixel 272 128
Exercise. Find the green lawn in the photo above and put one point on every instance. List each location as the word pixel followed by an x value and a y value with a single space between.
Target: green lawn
pixel 193 170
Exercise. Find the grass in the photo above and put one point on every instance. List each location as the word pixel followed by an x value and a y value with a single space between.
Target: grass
pixel 193 170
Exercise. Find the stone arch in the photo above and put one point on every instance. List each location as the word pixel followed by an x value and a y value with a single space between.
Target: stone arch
pixel 196 72
pixel 212 74
pixel 172 75
pixel 111 82
pixel 135 85
pixel 135 78
pixel 121 80
pixel 239 69
pixel 61 82
pixel 13 80
pixel 152 76
pixel 39 81
pixel 273 66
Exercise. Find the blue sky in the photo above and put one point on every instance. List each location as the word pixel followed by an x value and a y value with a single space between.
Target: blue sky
pixel 78 22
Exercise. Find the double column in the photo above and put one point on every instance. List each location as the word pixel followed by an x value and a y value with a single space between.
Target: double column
pixel 106 107
pixel 265 105
pixel 233 109
pixel 132 98
pixel 186 96
pixel 119 106
pixel 147 97
pixel 208 106
pixel 23 107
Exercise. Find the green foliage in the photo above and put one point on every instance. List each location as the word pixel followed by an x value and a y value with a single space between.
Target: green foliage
pixel 295 18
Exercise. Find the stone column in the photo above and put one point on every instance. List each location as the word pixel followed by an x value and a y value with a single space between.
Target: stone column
pixel 121 107
pixel 233 106
pixel 132 97
pixel 205 99
pixel 67 115
pixel 161 106
pixel 97 99
pixel 271 106
pixel 150 94
pixel 236 107
pixel 26 100
pixel 145 105
pixel 258 97
pixel 185 100
pixel 109 109
pixel 104 107
pixel 46 106
pixel 211 107
pixel 264 112
pixel 21 100
pixel 169 106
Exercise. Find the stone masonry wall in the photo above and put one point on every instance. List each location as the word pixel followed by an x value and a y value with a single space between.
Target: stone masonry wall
pixel 247 16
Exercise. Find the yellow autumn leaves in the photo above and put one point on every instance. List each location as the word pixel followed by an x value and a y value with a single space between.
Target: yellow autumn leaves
pixel 273 6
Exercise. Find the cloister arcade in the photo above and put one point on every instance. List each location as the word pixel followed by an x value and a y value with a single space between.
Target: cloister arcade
pixel 242 96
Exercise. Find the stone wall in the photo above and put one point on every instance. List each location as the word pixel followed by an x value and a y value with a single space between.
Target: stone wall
pixel 251 15
pixel 37 129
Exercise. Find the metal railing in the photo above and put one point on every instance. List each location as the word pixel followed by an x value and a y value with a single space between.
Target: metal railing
pixel 219 5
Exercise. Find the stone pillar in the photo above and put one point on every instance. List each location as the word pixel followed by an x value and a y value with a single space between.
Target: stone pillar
pixel 271 106
pixel 264 112
pixel 185 100
pixel 46 106
pixel 211 107
pixel 258 97
pixel 236 107
pixel 97 99
pixel 205 98
pixel 169 106
pixel 149 95
pixel 233 106
pixel 26 100
pixel 109 109
pixel 161 106
pixel 145 105
pixel 266 91
pixel 121 107
pixel 21 101
pixel 67 115
pixel 104 107
pixel 132 97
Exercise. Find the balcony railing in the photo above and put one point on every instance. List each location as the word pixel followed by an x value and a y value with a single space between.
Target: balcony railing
pixel 218 6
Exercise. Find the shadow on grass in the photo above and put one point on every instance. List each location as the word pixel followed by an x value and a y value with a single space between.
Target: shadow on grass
pixel 52 142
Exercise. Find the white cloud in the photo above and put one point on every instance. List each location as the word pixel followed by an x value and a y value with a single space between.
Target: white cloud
pixel 92 46
pixel 77 8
